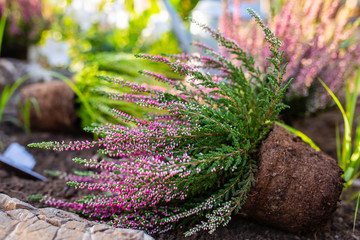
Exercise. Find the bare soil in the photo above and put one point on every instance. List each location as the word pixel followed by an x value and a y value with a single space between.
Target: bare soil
pixel 321 129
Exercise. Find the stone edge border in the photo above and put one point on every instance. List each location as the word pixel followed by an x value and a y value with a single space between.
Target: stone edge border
pixel 20 220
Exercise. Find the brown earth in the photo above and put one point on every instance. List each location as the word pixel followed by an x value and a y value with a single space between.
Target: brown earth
pixel 339 226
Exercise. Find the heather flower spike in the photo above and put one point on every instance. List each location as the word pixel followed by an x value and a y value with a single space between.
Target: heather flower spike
pixel 192 164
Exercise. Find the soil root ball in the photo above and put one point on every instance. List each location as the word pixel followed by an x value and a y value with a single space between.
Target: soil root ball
pixel 297 188
pixel 56 102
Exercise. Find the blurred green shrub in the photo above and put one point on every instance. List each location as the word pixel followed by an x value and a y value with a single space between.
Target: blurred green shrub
pixel 121 65
pixel 184 7
pixel 113 26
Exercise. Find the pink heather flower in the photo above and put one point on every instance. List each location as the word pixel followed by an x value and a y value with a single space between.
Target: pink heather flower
pixel 314 35
pixel 24 14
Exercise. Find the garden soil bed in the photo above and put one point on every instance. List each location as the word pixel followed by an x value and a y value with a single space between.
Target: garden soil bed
pixel 321 129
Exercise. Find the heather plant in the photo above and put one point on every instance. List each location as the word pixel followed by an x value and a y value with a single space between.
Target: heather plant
pixel 321 41
pixel 192 164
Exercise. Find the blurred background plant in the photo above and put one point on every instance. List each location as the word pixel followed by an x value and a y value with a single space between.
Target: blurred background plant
pixel 124 66
pixel 24 109
pixel 321 39
pixel 8 90
pixel 25 21
pixel 99 38
pixel 82 27
pixel 6 94
pixel 81 39
pixel 348 145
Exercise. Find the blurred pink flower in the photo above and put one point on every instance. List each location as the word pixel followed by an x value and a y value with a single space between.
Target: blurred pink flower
pixel 315 36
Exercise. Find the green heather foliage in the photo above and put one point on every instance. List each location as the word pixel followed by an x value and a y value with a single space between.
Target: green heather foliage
pixel 194 164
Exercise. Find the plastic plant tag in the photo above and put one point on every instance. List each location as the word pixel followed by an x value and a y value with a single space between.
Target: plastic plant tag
pixel 18 155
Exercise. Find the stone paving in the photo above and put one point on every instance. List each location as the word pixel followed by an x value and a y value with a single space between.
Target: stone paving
pixel 20 220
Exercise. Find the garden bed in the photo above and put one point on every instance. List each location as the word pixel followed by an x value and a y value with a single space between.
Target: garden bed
pixel 320 128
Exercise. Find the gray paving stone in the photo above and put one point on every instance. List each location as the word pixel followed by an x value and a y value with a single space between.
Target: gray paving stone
pixel 22 215
pixel 20 220
pixel 7 224
pixel 8 203
pixel 65 233
pixel 33 231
